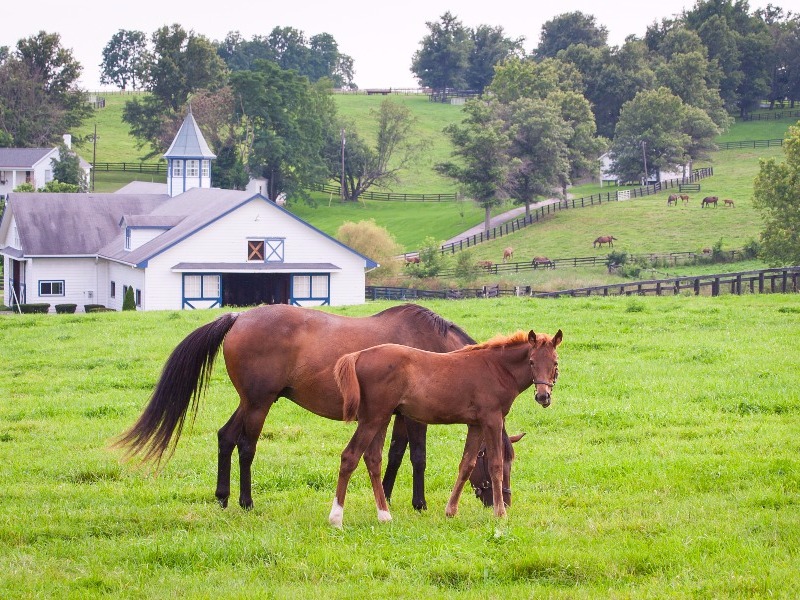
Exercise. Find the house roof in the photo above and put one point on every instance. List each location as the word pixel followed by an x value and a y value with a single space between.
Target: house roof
pixel 189 142
pixel 22 158
pixel 73 224
pixel 143 187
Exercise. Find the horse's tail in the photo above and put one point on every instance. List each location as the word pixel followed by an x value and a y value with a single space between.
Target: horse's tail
pixel 183 380
pixel 345 374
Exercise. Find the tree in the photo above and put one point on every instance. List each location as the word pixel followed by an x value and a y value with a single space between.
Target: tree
pixel 490 47
pixel 126 60
pixel 182 63
pixel 656 127
pixel 776 195
pixel 129 301
pixel 374 241
pixel 481 147
pixel 568 29
pixel 396 146
pixel 442 60
pixel 288 121
pixel 67 169
pixel 39 96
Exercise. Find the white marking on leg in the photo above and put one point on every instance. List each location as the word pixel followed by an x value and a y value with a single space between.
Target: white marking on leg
pixel 337 513
pixel 384 516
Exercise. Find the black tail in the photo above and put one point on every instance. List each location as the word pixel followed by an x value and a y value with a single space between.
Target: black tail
pixel 183 380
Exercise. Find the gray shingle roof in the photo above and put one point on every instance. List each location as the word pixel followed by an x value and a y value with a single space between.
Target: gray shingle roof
pixel 21 158
pixel 189 142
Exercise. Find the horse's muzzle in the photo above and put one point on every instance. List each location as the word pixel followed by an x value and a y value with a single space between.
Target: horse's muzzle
pixel 543 399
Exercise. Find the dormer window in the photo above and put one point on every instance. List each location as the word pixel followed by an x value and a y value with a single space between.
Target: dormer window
pixel 192 168
pixel 206 168
pixel 177 168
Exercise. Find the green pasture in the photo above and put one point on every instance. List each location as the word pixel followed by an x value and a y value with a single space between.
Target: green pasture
pixel 668 466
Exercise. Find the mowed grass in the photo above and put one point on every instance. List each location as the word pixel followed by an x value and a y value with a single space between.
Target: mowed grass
pixel 668 466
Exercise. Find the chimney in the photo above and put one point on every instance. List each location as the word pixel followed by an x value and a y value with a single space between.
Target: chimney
pixel 68 141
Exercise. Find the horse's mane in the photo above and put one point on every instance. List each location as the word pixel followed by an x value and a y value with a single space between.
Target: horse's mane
pixel 499 341
pixel 441 325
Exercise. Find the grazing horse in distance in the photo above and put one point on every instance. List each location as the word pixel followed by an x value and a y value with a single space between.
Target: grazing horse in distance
pixel 685 198
pixel 728 202
pixel 475 386
pixel 412 260
pixel 604 239
pixel 709 200
pixel 508 253
pixel 542 261
pixel 672 199
pixel 281 351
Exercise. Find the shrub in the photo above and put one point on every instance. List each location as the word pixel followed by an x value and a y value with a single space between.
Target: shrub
pixel 64 309
pixel 37 307
pixel 466 268
pixel 92 307
pixel 373 241
pixel 129 303
pixel 752 249
pixel 430 260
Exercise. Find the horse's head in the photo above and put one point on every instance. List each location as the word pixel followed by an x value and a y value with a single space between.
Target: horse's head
pixel 480 479
pixel 544 364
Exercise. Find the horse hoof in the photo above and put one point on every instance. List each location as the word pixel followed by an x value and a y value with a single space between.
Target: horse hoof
pixel 384 516
pixel 420 505
pixel 246 504
pixel 223 502
pixel 450 512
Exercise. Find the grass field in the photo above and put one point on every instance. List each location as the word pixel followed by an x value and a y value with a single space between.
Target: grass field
pixel 667 467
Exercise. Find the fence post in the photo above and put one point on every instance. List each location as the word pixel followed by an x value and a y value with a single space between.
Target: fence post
pixel 697 286
pixel 715 287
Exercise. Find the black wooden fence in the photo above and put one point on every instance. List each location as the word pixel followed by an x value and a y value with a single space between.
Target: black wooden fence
pixel 782 280
pixel 749 144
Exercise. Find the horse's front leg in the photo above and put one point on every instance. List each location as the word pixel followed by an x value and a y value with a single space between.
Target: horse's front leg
pixel 468 459
pixel 493 438
pixel 417 443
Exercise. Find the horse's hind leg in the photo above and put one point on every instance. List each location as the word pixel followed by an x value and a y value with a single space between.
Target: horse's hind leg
pixel 253 422
pixel 372 459
pixel 227 437
pixel 397 449
pixel 471 446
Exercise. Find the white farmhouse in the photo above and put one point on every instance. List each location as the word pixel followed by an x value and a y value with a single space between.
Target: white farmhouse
pixel 31 165
pixel 182 245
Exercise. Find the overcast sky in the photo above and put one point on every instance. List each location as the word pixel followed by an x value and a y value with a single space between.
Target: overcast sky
pixel 380 36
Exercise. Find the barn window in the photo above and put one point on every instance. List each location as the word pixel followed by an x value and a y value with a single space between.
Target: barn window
pixel 201 287
pixel 138 296
pixel 206 167
pixel 192 168
pixel 51 288
pixel 113 292
pixel 274 249
pixel 177 168
pixel 310 287
pixel 255 250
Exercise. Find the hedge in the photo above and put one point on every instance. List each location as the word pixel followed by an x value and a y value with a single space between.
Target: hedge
pixel 38 307
pixel 64 309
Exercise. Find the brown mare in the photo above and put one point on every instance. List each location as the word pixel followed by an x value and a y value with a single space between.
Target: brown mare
pixel 475 386
pixel 672 199
pixel 508 253
pixel 709 200
pixel 728 202
pixel 604 239
pixel 542 261
pixel 282 351
pixel 685 198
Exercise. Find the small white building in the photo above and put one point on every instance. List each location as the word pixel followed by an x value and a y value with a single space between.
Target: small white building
pixel 608 177
pixel 31 165
pixel 182 245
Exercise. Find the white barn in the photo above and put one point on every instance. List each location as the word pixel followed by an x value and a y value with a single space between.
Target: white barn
pixel 183 245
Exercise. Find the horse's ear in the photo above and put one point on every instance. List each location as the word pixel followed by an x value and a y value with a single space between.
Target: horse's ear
pixel 515 438
pixel 532 338
pixel 557 338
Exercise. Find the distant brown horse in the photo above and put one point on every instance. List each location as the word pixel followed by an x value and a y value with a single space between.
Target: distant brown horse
pixel 672 199
pixel 728 202
pixel 508 253
pixel 604 239
pixel 685 198
pixel 485 264
pixel 282 351
pixel 709 200
pixel 412 260
pixel 542 261
pixel 475 386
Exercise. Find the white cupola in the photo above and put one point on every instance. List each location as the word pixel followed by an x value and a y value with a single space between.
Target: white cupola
pixel 188 159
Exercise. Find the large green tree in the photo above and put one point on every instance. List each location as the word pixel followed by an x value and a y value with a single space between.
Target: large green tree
pixel 39 95
pixel 126 60
pixel 568 29
pixel 287 121
pixel 776 194
pixel 480 147
pixel 67 169
pixel 656 127
pixel 490 47
pixel 442 60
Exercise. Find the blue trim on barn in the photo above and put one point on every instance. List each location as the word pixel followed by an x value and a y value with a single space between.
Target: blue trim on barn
pixel 296 300
pixel 186 302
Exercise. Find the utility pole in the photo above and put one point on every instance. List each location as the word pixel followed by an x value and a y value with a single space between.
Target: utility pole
pixel 94 153
pixel 644 156
pixel 342 184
